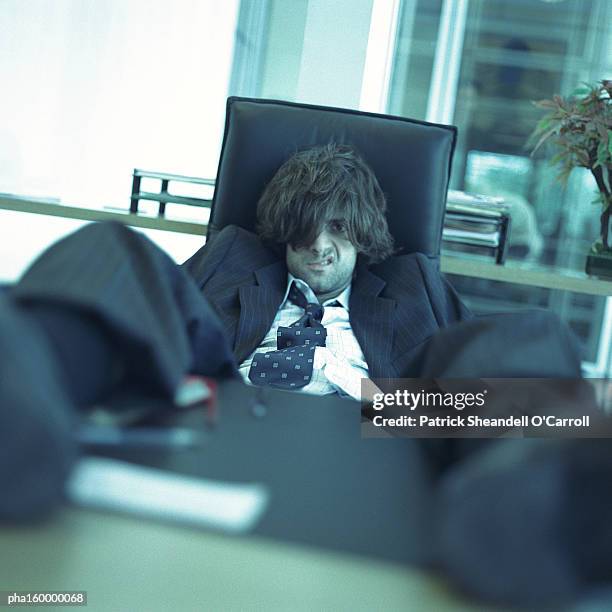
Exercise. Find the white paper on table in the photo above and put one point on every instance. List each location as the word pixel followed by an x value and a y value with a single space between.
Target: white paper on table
pixel 127 487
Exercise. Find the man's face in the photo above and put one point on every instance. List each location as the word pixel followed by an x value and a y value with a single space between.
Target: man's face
pixel 327 264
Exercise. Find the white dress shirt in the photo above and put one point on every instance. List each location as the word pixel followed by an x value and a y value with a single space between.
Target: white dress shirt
pixel 338 366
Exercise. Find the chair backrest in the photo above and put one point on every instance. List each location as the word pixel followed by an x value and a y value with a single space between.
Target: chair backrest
pixel 410 158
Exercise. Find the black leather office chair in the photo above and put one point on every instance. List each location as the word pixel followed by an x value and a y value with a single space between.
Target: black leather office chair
pixel 411 159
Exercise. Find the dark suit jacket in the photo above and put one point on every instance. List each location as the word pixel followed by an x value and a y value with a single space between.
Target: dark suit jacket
pixel 394 307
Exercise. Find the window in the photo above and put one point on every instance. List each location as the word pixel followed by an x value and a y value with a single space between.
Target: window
pixel 92 90
pixel 479 64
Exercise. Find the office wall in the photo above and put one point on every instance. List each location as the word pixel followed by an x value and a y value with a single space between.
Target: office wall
pixel 315 51
pixel 92 90
pixel 282 56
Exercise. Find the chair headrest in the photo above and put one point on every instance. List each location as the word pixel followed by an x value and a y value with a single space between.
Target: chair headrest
pixel 410 158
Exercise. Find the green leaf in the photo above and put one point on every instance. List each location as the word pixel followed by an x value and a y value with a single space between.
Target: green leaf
pixel 601 130
pixel 543 124
pixel 602 152
pixel 580 91
pixel 550 104
pixel 606 177
pixel 543 138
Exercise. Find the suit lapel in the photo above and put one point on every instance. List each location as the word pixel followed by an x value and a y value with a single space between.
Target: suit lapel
pixel 372 321
pixel 371 316
pixel 258 307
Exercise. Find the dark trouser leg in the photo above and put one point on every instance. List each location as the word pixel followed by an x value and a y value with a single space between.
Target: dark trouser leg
pixel 36 420
pixel 532 344
pixel 106 293
pixel 522 521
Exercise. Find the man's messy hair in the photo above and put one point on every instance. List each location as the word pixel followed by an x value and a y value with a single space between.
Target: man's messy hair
pixel 318 185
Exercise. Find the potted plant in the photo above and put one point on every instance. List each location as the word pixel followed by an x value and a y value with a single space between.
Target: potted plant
pixel 580 129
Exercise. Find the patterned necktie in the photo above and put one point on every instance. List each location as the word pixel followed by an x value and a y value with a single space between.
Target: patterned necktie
pixel 290 366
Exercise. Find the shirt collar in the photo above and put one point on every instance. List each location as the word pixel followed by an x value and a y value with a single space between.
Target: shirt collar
pixel 343 298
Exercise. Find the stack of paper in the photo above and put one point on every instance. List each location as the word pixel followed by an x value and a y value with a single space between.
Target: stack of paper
pixel 125 487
